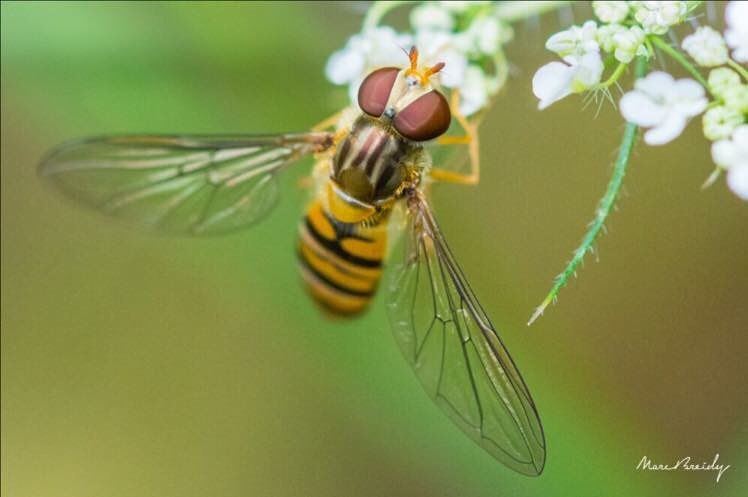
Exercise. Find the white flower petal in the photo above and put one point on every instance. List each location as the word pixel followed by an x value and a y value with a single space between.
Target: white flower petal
pixel 574 41
pixel 552 82
pixel 589 72
pixel 724 153
pixel 636 107
pixel 610 12
pixel 736 34
pixel 431 16
pixel 473 91
pixel 656 83
pixel 737 181
pixel 343 66
pixel 740 137
pixel 667 130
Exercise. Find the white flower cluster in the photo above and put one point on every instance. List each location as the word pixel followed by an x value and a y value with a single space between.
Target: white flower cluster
pixel 659 102
pixel 622 34
pixel 466 36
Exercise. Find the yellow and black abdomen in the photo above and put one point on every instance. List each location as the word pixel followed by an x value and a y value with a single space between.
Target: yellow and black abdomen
pixel 341 263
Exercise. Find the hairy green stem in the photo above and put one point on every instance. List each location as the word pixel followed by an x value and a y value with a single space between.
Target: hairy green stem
pixel 604 208
pixel 680 59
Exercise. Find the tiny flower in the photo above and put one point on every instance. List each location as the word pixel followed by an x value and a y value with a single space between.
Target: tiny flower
pixel 657 17
pixel 662 104
pixel 732 155
pixel 376 47
pixel 706 46
pixel 736 34
pixel 629 43
pixel 606 36
pixel 485 35
pixel 373 48
pixel 555 80
pixel 721 79
pixel 574 41
pixel 719 122
pixel 737 180
pixel 736 97
pixel 610 12
pixel 431 16
pixel 474 91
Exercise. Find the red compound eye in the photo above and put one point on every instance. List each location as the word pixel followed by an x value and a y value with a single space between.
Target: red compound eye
pixel 425 118
pixel 375 90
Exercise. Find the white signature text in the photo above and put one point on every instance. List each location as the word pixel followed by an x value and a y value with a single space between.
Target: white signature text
pixel 684 464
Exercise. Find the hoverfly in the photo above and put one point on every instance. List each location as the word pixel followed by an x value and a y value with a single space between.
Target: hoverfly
pixel 372 163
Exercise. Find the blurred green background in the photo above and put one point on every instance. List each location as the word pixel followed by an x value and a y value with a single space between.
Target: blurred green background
pixel 137 365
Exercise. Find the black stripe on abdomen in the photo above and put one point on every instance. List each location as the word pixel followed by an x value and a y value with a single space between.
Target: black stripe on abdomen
pixel 335 247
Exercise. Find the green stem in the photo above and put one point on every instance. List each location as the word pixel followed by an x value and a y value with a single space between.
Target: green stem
pixel 680 59
pixel 741 70
pixel 516 11
pixel 378 10
pixel 615 76
pixel 604 208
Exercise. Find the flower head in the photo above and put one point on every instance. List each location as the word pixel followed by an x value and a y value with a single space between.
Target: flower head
pixel 736 97
pixel 706 46
pixel 719 122
pixel 606 36
pixel 721 79
pixel 555 80
pixel 475 90
pixel 657 17
pixel 663 104
pixel 485 35
pixel 432 17
pixel 577 40
pixel 611 12
pixel 736 34
pixel 629 43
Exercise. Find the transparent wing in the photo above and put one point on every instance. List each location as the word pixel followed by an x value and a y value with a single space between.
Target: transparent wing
pixel 179 184
pixel 455 350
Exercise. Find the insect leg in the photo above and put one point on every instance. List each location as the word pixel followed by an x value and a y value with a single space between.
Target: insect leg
pixel 470 139
pixel 328 122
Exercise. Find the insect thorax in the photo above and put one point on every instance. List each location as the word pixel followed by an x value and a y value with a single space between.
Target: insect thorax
pixel 370 162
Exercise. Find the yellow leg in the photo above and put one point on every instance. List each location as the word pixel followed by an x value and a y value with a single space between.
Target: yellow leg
pixel 470 139
pixel 327 123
